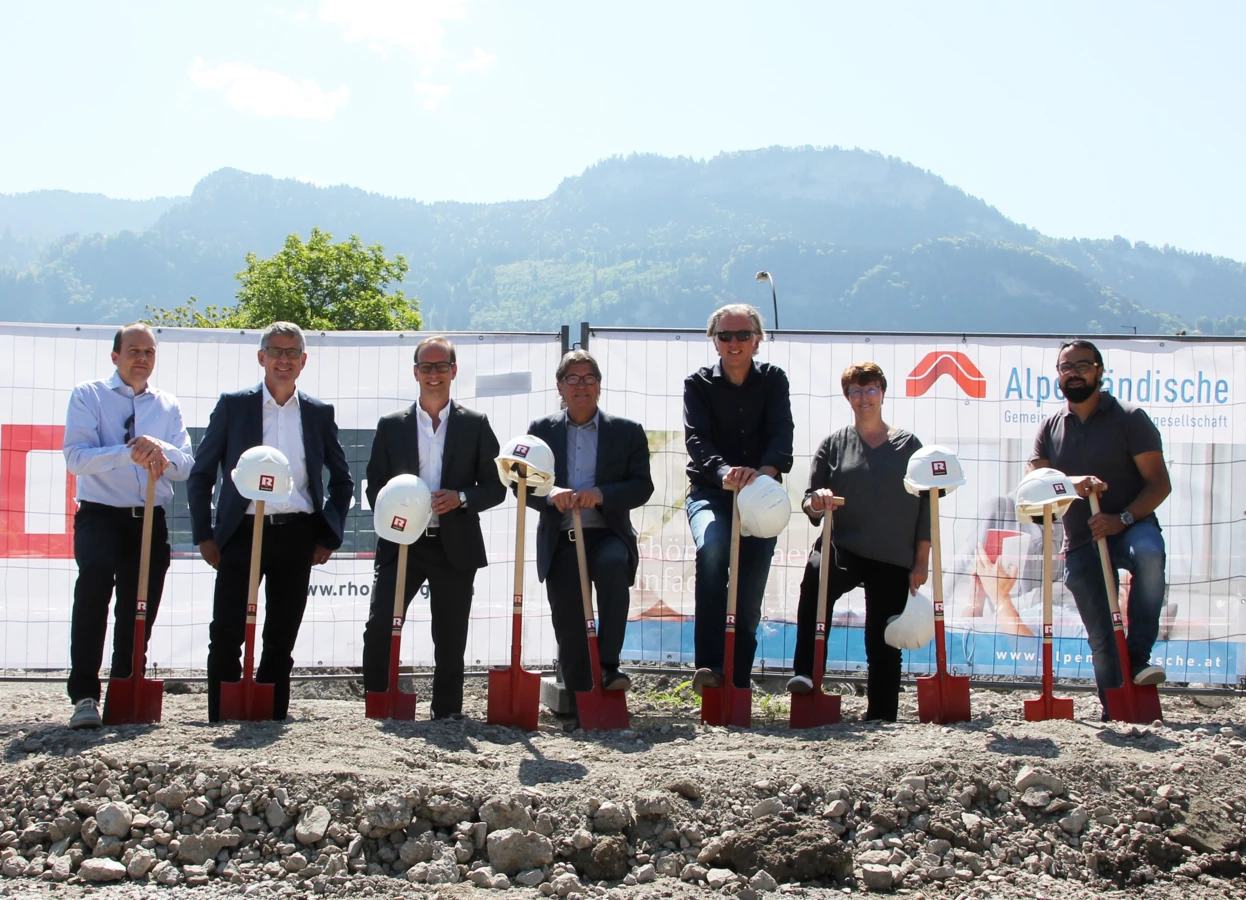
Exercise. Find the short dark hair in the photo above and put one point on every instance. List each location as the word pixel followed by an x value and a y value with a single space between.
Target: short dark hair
pixel 862 373
pixel 436 339
pixel 1081 344
pixel 571 357
pixel 133 326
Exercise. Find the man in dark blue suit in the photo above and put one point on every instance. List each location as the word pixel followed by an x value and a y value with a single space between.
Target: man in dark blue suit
pixel 302 532
pixel 601 467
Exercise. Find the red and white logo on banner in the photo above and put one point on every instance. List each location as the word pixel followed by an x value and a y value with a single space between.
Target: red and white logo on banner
pixel 17 442
pixel 399 524
pixel 936 364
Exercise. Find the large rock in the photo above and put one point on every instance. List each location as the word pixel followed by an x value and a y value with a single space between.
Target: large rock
pixel 197 849
pixel 876 877
pixel 505 812
pixel 511 850
pixel 312 825
pixel 605 860
pixel 140 863
pixel 387 813
pixel 101 870
pixel 653 805
pixel 114 819
pixel 789 851
pixel 275 814
pixel 1030 777
pixel 442 871
pixel 417 850
pixel 611 817
pixel 171 796
pixel 447 809
pixel 1205 828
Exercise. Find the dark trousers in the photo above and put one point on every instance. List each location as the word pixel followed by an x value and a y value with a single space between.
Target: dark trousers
pixel 450 606
pixel 609 572
pixel 107 546
pixel 285 568
pixel 886 595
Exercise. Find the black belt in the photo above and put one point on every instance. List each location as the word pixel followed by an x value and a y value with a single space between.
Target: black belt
pixel 282 518
pixel 129 512
pixel 570 532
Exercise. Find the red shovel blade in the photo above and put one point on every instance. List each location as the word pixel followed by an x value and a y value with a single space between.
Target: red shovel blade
pixel 246 701
pixel 1047 706
pixel 1136 704
pixel 133 701
pixel 391 704
pixel 814 709
pixel 943 699
pixel 602 710
pixel 727 705
pixel 514 697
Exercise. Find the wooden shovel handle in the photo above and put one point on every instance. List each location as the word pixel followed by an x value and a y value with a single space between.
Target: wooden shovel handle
pixel 824 570
pixel 144 557
pixel 1105 560
pixel 582 558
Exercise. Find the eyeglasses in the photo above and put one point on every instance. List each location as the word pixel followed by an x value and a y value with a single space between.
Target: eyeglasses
pixel 129 429
pixel 287 352
pixel 871 391
pixel 1083 367
pixel 575 380
pixel 441 368
pixel 726 337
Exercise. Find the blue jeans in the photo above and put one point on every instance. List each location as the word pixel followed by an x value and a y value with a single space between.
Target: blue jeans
pixel 709 517
pixel 1139 549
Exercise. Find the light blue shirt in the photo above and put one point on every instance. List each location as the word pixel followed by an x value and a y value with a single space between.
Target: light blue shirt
pixel 582 468
pixel 95 437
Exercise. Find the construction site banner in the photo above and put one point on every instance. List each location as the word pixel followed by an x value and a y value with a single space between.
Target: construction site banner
pixel 982 397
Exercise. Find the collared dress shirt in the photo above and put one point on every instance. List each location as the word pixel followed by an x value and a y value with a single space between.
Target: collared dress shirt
pixel 283 429
pixel 432 447
pixel 95 441
pixel 582 468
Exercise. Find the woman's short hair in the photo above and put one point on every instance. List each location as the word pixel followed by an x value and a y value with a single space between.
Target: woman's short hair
pixel 734 309
pixel 862 373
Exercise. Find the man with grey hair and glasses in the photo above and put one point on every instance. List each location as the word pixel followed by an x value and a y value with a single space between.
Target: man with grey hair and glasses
pixel 119 431
pixel 302 532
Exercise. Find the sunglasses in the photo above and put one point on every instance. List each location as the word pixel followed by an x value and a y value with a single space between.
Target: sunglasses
pixel 1082 367
pixel 441 368
pixel 726 337
pixel 287 352
pixel 129 429
pixel 575 380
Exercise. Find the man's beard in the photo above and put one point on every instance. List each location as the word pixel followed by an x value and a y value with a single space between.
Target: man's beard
pixel 1081 393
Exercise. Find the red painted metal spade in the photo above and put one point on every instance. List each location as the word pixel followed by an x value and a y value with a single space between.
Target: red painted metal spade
pixel 599 710
pixel 941 698
pixel 1136 703
pixel 137 700
pixel 1047 705
pixel 728 704
pixel 818 707
pixel 393 703
pixel 249 700
pixel 515 694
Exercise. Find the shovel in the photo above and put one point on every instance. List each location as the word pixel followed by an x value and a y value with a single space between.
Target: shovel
pixel 1047 706
pixel 249 700
pixel 137 700
pixel 728 704
pixel 393 703
pixel 599 710
pixel 1136 703
pixel 818 707
pixel 941 698
pixel 514 694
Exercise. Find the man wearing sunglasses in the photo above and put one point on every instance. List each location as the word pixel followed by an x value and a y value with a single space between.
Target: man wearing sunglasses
pixel 1112 449
pixel 118 432
pixel 451 448
pixel 737 425
pixel 301 532
pixel 601 467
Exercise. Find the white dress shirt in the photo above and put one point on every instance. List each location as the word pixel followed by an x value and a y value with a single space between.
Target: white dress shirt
pixel 283 429
pixel 95 441
pixel 432 447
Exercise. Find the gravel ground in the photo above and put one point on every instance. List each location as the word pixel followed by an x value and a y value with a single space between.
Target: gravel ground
pixel 333 804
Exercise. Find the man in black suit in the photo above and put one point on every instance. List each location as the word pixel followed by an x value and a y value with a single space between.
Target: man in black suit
pixel 452 449
pixel 302 532
pixel 601 467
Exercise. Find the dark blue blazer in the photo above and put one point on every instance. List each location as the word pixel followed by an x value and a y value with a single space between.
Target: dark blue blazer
pixel 237 424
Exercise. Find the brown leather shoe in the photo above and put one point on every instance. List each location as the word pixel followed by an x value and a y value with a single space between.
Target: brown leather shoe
pixel 706 678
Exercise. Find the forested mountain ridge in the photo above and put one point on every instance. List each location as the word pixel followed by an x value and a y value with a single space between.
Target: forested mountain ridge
pixel 855 241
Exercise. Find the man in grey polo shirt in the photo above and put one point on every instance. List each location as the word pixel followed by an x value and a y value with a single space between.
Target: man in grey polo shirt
pixel 1112 449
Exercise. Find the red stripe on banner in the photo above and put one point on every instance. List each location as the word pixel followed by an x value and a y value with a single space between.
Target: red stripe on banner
pixel 938 363
pixel 16 444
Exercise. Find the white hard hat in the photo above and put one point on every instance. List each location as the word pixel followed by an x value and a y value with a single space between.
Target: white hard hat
pixel 765 508
pixel 533 453
pixel 263 473
pixel 402 510
pixel 914 628
pixel 1041 488
pixel 932 468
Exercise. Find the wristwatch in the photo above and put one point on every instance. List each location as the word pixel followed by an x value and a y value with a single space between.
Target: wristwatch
pixel 1127 518
pixel 463 500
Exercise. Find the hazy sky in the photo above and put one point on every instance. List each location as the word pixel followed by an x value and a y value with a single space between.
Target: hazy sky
pixel 1079 119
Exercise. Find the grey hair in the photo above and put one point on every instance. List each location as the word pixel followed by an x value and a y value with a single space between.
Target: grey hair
pixel 571 357
pixel 285 329
pixel 734 309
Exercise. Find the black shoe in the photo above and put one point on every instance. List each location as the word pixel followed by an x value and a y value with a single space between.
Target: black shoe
pixel 449 717
pixel 615 681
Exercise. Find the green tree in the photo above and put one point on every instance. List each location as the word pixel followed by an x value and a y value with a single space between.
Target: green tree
pixel 318 285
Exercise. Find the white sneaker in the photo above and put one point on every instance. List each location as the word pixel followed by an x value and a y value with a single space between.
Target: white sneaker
pixel 86 714
pixel 799 684
pixel 1150 675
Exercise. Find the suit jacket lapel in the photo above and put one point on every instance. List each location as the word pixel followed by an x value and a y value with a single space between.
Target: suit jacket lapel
pixel 603 436
pixel 411 437
pixel 253 423
pixel 558 443
pixel 311 440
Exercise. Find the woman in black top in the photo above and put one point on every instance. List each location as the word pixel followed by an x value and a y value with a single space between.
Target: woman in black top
pixel 881 539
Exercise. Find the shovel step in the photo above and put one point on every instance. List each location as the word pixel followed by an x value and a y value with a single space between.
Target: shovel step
pixel 1041 709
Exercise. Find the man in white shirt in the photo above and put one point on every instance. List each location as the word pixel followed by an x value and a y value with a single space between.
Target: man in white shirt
pixel 118 430
pixel 302 532
pixel 452 449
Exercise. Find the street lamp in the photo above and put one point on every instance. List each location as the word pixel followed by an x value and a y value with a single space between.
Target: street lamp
pixel 766 276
